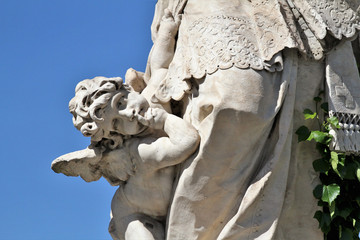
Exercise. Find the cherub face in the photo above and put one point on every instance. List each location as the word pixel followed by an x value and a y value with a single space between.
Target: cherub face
pixel 121 115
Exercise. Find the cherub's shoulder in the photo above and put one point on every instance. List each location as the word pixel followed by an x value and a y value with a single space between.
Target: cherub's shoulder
pixel 134 142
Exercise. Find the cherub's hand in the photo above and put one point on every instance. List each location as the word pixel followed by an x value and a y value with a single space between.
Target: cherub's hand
pixel 153 118
pixel 135 79
pixel 168 24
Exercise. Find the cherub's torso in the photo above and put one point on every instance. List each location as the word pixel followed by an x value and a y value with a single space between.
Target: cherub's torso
pixel 149 189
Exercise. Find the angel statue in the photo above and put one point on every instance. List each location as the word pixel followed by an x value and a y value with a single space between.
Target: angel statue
pixel 134 144
pixel 241 72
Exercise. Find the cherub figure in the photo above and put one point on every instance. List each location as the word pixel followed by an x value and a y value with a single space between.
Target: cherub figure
pixel 135 143
pixel 134 146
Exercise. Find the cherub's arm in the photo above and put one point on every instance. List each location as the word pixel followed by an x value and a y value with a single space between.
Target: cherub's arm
pixel 160 56
pixel 163 49
pixel 182 140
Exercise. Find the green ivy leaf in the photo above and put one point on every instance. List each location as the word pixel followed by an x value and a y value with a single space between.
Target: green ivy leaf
pixel 337 163
pixel 330 192
pixel 334 160
pixel 322 149
pixel 318 191
pixel 321 165
pixel 325 107
pixel 357 172
pixel 308 114
pixel 344 213
pixel 318 136
pixel 350 170
pixel 324 221
pixel 303 133
pixel 342 171
pixel 346 234
pixel 317 99
pixel 318 216
pixel 334 122
pixel 328 140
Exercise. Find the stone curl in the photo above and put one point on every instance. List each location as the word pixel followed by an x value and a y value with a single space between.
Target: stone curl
pixel 92 96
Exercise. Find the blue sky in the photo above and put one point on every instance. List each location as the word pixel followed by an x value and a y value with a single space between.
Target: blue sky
pixel 46 47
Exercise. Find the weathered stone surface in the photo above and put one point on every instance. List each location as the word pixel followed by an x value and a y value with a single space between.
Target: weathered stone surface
pixel 224 91
pixel 134 146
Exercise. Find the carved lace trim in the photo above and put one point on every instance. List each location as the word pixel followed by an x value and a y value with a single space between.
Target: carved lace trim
pixel 221 42
pixel 252 40
pixel 338 17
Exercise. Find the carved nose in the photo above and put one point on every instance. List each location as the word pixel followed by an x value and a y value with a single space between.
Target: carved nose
pixel 141 108
pixel 132 114
pixel 136 111
pixel 138 103
pixel 129 113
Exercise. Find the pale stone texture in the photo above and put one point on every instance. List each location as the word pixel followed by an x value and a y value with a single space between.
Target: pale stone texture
pixel 239 74
pixel 245 93
pixel 134 143
pixel 134 146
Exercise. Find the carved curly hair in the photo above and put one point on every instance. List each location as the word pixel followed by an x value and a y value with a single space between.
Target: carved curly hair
pixel 91 97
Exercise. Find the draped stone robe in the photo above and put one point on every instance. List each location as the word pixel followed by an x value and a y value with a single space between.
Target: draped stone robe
pixel 244 72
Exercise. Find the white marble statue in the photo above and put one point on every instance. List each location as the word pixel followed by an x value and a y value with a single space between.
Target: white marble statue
pixel 244 71
pixel 239 73
pixel 134 146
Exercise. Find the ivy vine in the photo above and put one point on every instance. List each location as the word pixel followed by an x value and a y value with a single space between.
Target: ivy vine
pixel 339 174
